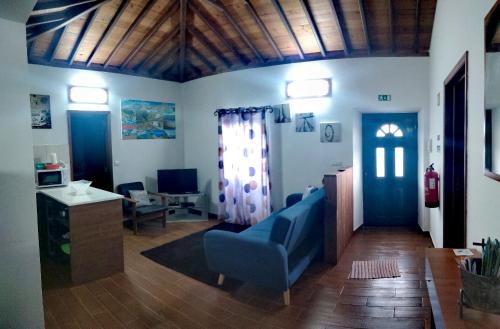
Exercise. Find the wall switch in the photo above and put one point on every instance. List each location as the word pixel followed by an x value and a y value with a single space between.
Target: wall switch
pixel 438 99
pixel 438 148
pixel 116 163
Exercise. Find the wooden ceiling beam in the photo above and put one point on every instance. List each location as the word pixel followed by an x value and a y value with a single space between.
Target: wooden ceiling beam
pixel 416 45
pixel 83 33
pixel 341 26
pixel 263 28
pixel 131 30
pixel 193 68
pixel 165 41
pixel 364 23
pixel 164 60
pixel 104 36
pixel 392 30
pixel 288 27
pixel 238 29
pixel 57 16
pixel 169 71
pixel 314 27
pixel 208 45
pixel 202 58
pixel 182 50
pixel 57 4
pixel 164 17
pixel 54 44
pixel 45 23
pixel 213 26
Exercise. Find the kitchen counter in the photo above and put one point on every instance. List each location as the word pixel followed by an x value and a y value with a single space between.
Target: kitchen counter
pixel 65 196
pixel 91 225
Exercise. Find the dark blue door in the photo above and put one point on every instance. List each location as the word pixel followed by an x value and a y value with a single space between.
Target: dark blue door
pixel 390 169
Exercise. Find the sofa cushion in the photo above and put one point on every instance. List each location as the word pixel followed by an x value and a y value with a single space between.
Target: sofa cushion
pixel 146 210
pixel 296 223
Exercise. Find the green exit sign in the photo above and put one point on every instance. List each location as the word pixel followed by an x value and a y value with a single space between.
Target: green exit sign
pixel 384 98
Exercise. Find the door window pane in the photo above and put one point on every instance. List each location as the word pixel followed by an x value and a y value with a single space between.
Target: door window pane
pixel 399 161
pixel 380 161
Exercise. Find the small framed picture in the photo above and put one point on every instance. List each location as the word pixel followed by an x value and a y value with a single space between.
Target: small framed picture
pixel 40 112
pixel 305 122
pixel 330 132
pixel 282 113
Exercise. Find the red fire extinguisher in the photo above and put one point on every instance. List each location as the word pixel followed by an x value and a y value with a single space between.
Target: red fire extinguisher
pixel 431 183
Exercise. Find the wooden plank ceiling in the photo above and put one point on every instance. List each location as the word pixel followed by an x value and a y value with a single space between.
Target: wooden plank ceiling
pixel 181 40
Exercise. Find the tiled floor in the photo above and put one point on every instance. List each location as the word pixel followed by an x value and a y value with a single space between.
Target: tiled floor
pixel 148 295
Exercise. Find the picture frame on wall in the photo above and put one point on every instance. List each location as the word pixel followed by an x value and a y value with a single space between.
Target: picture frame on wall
pixel 330 132
pixel 282 113
pixel 305 122
pixel 147 119
pixel 40 112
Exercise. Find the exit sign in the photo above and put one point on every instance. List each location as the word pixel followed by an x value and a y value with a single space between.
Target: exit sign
pixel 384 98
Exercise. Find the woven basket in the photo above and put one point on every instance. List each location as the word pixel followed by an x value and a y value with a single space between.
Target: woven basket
pixel 480 292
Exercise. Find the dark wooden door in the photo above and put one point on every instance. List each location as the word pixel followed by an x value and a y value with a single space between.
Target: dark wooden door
pixel 455 157
pixel 90 148
pixel 390 169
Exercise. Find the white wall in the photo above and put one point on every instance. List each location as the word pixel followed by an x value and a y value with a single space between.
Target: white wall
pixel 20 287
pixel 357 83
pixel 459 27
pixel 139 159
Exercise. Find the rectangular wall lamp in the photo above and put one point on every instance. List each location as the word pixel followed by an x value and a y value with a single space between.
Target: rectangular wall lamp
pixel 312 88
pixel 87 95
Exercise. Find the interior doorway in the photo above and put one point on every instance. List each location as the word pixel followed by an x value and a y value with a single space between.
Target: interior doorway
pixel 390 169
pixel 90 148
pixel 455 157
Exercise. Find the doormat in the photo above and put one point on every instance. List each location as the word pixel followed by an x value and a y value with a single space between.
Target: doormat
pixel 375 269
pixel 187 256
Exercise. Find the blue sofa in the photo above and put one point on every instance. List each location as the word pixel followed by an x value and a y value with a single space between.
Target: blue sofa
pixel 275 252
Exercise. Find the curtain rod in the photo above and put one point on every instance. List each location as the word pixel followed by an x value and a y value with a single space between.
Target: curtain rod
pixel 267 108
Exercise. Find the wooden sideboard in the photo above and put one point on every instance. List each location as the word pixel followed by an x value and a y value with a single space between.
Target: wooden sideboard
pixel 443 283
pixel 338 213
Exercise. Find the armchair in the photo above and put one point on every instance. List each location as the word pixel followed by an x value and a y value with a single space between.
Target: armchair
pixel 141 213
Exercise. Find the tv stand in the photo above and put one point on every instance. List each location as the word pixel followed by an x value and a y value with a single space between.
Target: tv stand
pixel 182 202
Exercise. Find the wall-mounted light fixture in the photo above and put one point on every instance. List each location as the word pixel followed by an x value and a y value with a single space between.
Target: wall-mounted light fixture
pixel 87 95
pixel 309 88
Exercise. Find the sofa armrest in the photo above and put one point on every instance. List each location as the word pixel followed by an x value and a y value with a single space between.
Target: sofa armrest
pixel 247 259
pixel 293 199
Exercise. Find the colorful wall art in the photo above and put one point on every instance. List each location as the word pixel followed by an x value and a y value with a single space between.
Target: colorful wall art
pixel 147 120
pixel 329 132
pixel 282 113
pixel 40 112
pixel 304 122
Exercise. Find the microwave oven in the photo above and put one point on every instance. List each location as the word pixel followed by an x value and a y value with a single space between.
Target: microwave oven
pixel 52 177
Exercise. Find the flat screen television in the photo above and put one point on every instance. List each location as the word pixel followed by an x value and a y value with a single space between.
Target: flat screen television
pixel 178 181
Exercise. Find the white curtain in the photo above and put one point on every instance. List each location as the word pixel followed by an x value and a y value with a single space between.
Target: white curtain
pixel 244 191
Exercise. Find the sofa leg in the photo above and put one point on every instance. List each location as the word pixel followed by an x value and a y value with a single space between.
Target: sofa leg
pixel 220 281
pixel 286 297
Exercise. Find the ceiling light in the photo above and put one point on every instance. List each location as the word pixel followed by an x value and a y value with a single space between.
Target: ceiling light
pixel 88 95
pixel 309 88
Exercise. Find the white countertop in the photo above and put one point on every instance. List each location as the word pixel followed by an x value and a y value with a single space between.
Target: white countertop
pixel 65 195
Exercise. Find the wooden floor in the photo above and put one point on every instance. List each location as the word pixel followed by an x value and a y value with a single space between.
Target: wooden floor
pixel 148 295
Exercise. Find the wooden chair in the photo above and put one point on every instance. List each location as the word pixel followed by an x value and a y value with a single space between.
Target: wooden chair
pixel 142 213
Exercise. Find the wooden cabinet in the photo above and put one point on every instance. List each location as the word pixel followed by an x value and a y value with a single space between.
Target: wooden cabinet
pixel 338 214
pixel 93 230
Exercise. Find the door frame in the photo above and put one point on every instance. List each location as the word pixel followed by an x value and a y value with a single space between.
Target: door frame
pixel 463 64
pixel 109 150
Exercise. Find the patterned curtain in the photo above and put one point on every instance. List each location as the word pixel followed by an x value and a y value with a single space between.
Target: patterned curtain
pixel 244 191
